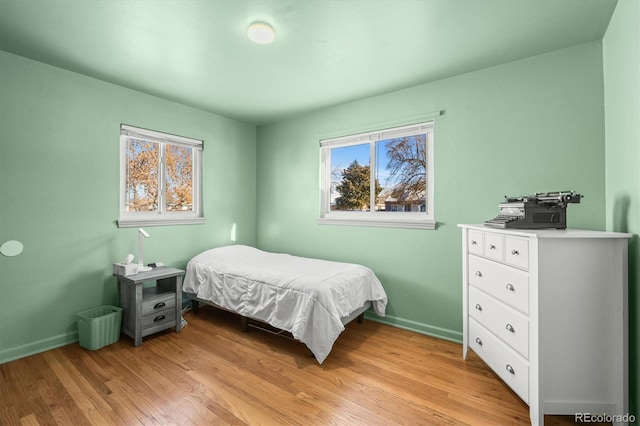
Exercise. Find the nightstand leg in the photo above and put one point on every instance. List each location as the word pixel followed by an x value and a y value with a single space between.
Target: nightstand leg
pixel 178 290
pixel 138 316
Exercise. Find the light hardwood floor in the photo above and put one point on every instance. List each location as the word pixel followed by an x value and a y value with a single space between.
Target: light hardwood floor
pixel 213 373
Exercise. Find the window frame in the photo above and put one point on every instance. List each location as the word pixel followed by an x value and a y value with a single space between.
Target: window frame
pixel 417 220
pixel 160 217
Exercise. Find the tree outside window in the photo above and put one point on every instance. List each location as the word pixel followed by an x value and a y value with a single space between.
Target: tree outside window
pixel 386 174
pixel 161 178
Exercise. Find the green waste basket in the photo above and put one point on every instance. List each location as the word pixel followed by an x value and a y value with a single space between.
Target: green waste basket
pixel 99 327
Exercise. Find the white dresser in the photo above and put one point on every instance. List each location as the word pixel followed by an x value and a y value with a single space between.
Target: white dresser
pixel 547 311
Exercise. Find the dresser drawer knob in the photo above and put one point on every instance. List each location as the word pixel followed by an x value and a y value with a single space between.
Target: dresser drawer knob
pixel 159 318
pixel 159 305
pixel 515 252
pixel 510 328
pixel 478 307
pixel 492 247
pixel 478 341
pixel 510 287
pixel 478 274
pixel 510 369
pixel 474 242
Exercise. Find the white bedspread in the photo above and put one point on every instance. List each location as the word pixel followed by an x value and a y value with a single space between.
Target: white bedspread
pixel 304 296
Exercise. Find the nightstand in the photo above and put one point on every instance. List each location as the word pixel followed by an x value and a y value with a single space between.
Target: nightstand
pixel 147 310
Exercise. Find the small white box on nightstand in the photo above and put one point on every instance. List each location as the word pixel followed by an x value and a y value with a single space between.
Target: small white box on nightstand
pixel 125 269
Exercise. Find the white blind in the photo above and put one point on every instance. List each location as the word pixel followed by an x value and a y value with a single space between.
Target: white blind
pixel 154 136
pixel 397 132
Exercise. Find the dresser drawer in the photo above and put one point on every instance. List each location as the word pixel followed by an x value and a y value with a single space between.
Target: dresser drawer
pixel 507 284
pixel 493 246
pixel 517 252
pixel 158 303
pixel 507 364
pixel 475 242
pixel 507 324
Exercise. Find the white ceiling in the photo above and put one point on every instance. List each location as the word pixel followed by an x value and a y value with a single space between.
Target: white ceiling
pixel 326 52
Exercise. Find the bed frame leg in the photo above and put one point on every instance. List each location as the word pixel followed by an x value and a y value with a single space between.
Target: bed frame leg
pixel 361 318
pixel 244 321
pixel 195 306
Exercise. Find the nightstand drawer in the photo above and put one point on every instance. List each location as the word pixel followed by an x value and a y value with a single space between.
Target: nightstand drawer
pixel 510 326
pixel 159 318
pixel 158 302
pixel 507 284
pixel 507 364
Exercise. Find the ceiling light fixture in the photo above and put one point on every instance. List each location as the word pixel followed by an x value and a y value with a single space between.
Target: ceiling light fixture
pixel 261 33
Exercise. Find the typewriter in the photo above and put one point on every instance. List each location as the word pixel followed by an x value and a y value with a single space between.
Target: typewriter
pixel 543 210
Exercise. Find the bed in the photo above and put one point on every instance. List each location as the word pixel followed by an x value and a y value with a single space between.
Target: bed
pixel 311 299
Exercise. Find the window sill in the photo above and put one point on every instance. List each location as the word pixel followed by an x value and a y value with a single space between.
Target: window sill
pixel 380 223
pixel 134 223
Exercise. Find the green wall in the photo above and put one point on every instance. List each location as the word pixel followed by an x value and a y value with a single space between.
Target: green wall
pixel 621 46
pixel 59 174
pixel 532 125
pixel 527 126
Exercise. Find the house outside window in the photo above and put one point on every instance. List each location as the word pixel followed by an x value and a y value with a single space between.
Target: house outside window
pixel 160 178
pixel 379 178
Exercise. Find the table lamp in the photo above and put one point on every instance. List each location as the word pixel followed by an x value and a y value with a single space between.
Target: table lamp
pixel 142 234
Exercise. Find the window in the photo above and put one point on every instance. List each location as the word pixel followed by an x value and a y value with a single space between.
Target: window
pixel 160 178
pixel 380 178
